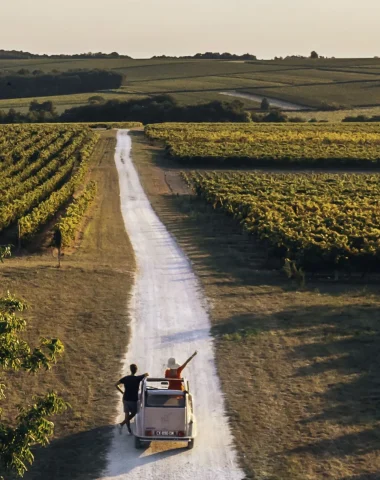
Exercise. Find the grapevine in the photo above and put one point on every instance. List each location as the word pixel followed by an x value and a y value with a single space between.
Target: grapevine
pixel 271 144
pixel 74 213
pixel 40 171
pixel 319 221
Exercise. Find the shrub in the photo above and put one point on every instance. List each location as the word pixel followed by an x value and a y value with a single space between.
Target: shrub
pixel 276 116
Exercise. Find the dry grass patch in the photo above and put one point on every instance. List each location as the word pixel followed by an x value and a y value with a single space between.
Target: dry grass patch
pixel 84 304
pixel 300 369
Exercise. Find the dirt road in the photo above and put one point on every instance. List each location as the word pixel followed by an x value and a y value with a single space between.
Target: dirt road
pixel 274 102
pixel 169 318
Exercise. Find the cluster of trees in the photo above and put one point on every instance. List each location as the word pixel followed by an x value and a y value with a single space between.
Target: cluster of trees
pixel 277 116
pixel 38 113
pixel 313 55
pixel 39 84
pixel 211 56
pixel 362 118
pixel 20 55
pixel 161 108
pixel 274 115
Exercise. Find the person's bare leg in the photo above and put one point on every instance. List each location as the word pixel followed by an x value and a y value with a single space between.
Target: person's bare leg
pixel 128 422
pixel 125 421
pixel 131 415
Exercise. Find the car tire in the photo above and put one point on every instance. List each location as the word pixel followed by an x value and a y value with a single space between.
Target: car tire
pixel 190 444
pixel 138 443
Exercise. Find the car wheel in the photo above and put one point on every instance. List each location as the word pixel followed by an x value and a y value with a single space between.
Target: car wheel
pixel 138 443
pixel 190 444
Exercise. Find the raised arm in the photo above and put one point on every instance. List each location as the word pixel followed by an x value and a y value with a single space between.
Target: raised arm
pixel 188 360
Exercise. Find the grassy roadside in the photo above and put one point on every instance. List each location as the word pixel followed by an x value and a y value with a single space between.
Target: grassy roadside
pixel 300 369
pixel 84 304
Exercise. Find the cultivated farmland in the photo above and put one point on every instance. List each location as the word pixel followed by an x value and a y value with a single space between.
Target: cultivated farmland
pixel 41 168
pixel 273 144
pixel 312 83
pixel 317 220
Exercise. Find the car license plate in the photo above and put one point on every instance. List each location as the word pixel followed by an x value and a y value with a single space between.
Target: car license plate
pixel 165 433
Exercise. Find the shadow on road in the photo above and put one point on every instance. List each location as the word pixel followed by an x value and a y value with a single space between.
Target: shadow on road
pixel 126 458
pixel 76 457
pixel 83 456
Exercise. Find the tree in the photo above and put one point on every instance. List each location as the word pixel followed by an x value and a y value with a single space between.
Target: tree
pixel 32 426
pixel 13 117
pixel 38 107
pixel 265 105
pixel 42 112
pixel 314 55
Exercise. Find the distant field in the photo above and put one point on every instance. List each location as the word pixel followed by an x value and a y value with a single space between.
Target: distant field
pixel 63 102
pixel 263 144
pixel 350 93
pixel 349 82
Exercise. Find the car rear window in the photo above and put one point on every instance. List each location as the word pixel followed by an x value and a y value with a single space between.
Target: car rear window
pixel 165 401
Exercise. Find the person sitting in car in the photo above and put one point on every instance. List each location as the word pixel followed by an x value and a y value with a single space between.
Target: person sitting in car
pixel 174 371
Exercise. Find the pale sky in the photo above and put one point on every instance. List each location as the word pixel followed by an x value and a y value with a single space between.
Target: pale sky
pixel 142 28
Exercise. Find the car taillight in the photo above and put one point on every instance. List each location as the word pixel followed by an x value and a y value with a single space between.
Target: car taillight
pixel 181 433
pixel 149 433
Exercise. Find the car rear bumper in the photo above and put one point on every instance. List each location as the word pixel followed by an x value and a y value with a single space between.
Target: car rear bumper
pixel 164 439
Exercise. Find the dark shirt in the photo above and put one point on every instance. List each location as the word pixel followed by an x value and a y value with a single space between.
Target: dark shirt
pixel 131 387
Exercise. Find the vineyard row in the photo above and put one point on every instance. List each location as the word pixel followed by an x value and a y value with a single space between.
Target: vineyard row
pixel 319 221
pixel 271 144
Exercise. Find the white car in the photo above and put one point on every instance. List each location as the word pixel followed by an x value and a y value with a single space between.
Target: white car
pixel 163 414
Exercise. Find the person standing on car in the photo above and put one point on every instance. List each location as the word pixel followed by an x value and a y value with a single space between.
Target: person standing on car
pixel 174 370
pixel 130 395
